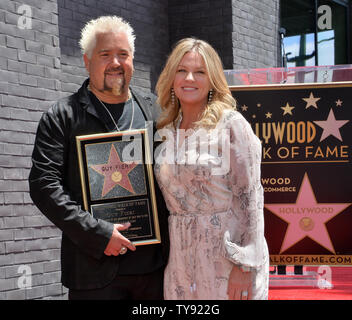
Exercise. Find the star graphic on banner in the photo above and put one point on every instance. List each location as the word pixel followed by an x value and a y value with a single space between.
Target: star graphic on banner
pixel 244 108
pixel 306 217
pixel 311 101
pixel 331 126
pixel 115 172
pixel 268 115
pixel 338 103
pixel 287 109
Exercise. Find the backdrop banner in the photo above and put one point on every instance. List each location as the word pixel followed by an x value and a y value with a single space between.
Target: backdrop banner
pixel 306 135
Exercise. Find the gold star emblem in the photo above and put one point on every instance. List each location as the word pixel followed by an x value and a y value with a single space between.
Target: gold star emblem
pixel 287 109
pixel 268 115
pixel 311 101
pixel 244 108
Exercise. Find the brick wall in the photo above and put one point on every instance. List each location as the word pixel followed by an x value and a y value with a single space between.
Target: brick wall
pixel 204 19
pixel 255 37
pixel 29 82
pixel 244 32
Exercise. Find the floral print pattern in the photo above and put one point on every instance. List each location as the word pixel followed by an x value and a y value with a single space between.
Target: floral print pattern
pixel 211 185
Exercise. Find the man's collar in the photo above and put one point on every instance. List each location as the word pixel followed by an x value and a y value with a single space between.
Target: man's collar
pixel 144 101
pixel 83 94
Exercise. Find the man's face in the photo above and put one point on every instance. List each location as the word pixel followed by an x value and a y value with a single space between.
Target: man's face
pixel 111 64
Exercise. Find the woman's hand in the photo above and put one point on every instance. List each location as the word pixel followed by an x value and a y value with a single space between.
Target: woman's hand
pixel 240 284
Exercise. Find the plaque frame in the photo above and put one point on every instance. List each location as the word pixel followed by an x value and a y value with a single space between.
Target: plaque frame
pixel 111 198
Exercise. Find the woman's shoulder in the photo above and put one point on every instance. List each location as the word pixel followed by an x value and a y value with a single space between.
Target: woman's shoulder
pixel 229 116
pixel 236 123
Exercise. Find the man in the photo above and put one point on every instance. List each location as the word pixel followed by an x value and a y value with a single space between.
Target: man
pixel 97 261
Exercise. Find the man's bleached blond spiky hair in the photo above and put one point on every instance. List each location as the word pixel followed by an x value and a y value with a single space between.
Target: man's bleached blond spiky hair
pixel 104 24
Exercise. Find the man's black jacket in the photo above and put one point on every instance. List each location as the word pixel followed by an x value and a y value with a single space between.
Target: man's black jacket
pixel 55 188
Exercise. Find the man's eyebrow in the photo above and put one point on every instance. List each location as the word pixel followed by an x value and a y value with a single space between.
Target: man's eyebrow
pixel 108 50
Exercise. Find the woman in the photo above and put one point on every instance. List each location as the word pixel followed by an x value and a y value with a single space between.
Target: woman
pixel 208 168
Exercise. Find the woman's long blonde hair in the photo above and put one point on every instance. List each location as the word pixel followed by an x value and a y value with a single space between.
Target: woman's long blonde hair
pixel 221 97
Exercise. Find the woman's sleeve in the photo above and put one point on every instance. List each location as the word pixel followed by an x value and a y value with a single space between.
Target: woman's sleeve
pixel 245 244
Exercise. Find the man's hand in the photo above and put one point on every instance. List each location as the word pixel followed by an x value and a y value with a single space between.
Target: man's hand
pixel 240 284
pixel 117 240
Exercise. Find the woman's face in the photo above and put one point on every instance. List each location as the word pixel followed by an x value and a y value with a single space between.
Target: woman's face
pixel 191 83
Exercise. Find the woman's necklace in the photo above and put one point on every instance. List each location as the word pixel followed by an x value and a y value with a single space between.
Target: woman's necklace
pixel 112 118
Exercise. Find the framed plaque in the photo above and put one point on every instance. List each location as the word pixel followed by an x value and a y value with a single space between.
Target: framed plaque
pixel 117 182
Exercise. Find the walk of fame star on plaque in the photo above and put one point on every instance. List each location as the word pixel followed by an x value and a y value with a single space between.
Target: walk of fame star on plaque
pixel 115 172
pixel 117 182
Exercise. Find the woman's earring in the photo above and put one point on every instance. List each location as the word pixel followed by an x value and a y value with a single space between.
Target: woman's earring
pixel 172 96
pixel 210 96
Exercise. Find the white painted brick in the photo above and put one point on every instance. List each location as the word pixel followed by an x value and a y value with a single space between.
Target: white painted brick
pixel 27 56
pixel 54 289
pixel 25 233
pixel 13 198
pixel 7 284
pixel 12 42
pixel 19 294
pixel 14 246
pixel 2 244
pixel 34 292
pixel 52 266
pixel 13 222
pixel 28 80
pixel 35 221
pixel 6 211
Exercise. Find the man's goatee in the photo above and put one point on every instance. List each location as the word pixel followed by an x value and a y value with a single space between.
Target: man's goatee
pixel 117 88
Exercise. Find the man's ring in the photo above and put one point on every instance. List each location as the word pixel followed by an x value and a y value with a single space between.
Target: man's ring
pixel 123 250
pixel 245 294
